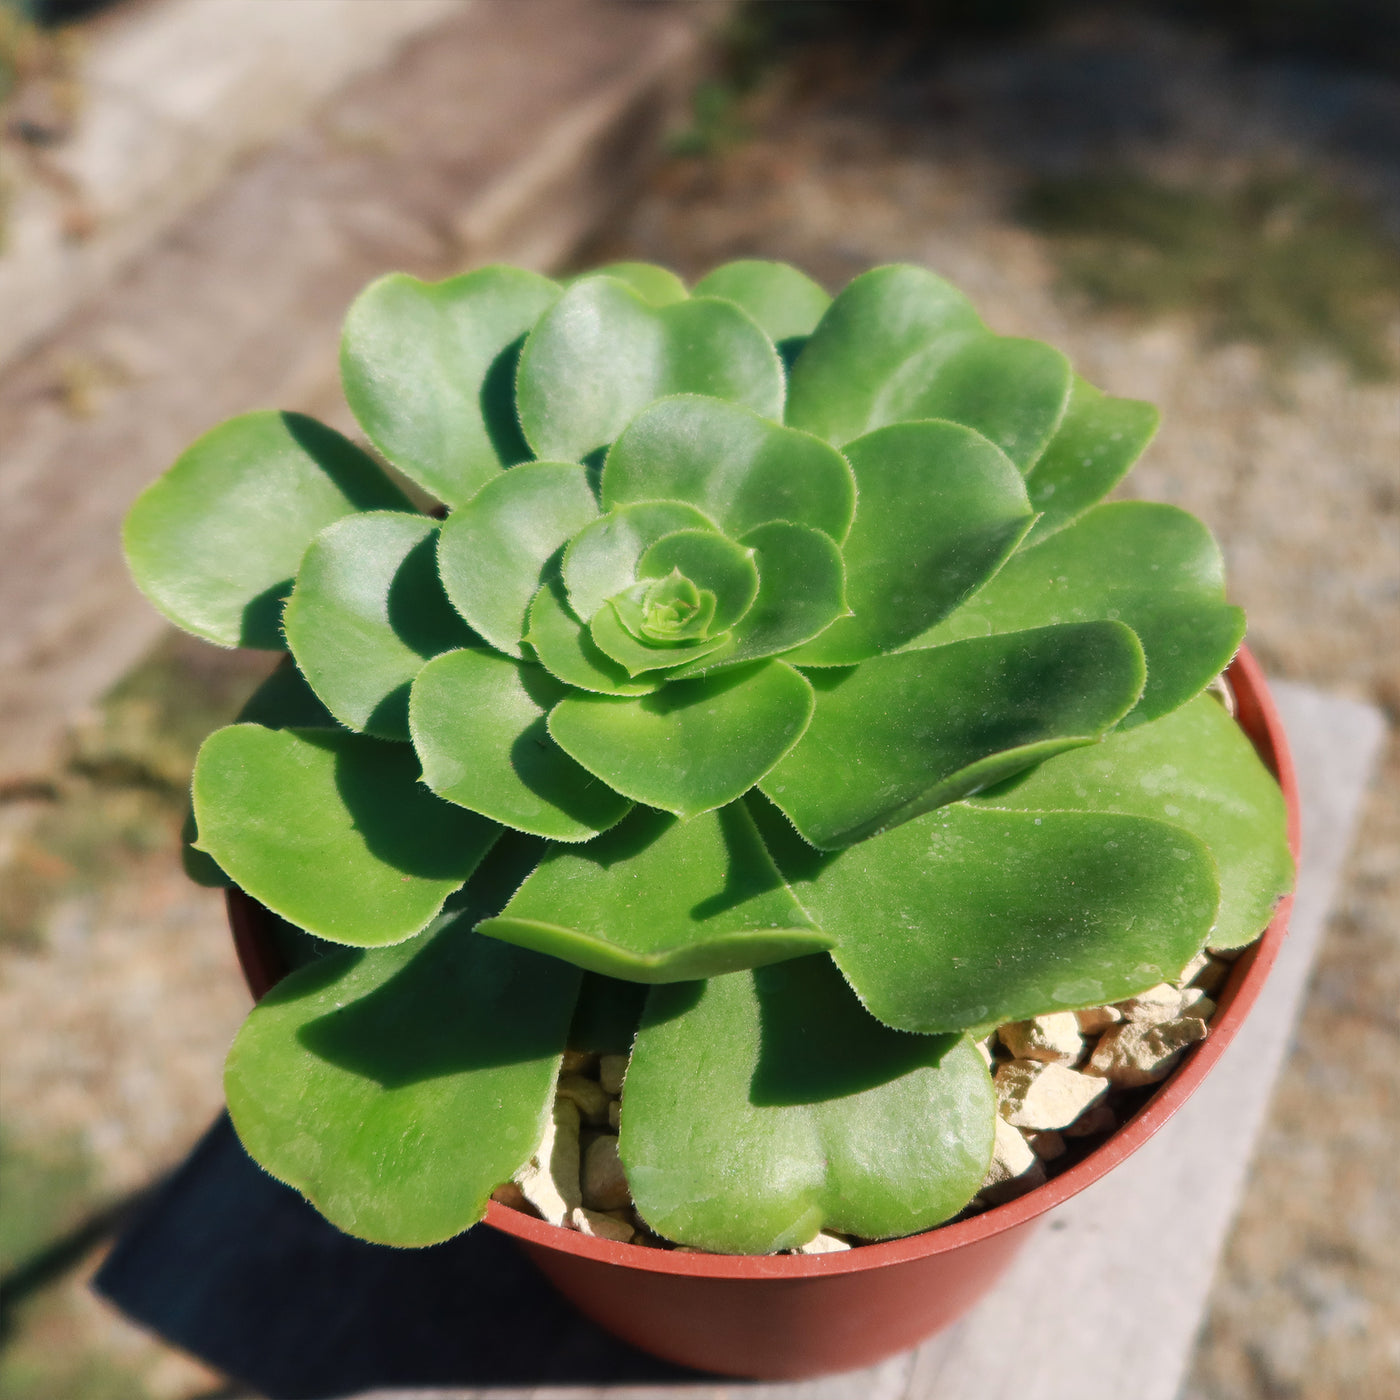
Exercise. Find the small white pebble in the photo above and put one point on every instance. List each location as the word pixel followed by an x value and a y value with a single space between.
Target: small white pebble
pixel 1212 977
pixel 1134 1054
pixel 1054 1039
pixel 604 1181
pixel 1093 1020
pixel 1038 1096
pixel 1197 964
pixel 550 1179
pixel 600 1225
pixel 984 1048
pixel 588 1095
pixel 611 1069
pixel 823 1243
pixel 1194 1002
pixel 1159 1003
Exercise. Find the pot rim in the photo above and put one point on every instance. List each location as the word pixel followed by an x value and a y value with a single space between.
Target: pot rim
pixel 1259 718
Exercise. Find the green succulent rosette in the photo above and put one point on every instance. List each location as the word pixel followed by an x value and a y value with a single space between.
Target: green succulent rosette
pixel 779 725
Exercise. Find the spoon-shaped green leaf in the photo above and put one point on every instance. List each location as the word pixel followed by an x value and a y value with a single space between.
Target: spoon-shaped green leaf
pixel 366 613
pixel 967 917
pixel 478 724
pixel 494 549
pixel 429 370
pixel 784 301
pixel 601 354
pixel 1196 769
pixel 764 1106
pixel 901 734
pixel 333 830
pixel 693 745
pixel 395 1089
pixel 216 541
pixel 659 900
pixel 713 563
pixel 740 469
pixel 566 649
pixel 1152 566
pixel 940 510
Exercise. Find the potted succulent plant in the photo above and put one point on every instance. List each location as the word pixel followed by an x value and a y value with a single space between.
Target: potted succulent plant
pixel 745 683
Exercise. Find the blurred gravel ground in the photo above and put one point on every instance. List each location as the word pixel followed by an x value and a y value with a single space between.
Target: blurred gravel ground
pixel 1295 467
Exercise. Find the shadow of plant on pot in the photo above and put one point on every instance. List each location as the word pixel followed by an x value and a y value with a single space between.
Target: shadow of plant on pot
pixel 832 704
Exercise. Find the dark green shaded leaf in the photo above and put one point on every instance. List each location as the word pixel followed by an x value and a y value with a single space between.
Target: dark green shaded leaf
pixel 659 900
pixel 395 1089
pixel 285 701
pixel 478 722
pixel 1196 769
pixel 332 830
pixel 1152 566
pixel 216 541
pixel 1096 444
pixel 428 369
pixel 366 613
pixel 899 735
pixel 740 469
pixel 765 1106
pixel 606 1017
pixel 602 354
pixel 786 303
pixel 494 549
pixel 940 511
pixel 693 745
pixel 601 560
pixel 967 917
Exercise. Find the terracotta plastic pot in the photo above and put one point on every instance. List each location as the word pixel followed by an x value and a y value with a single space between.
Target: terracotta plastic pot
pixel 791 1316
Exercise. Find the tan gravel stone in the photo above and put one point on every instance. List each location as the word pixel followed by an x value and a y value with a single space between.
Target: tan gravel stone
pixel 601 1225
pixel 1134 1054
pixel 823 1243
pixel 550 1179
pixel 579 1062
pixel 604 1181
pixel 1038 1096
pixel 611 1069
pixel 1048 1145
pixel 1094 1020
pixel 614 1114
pixel 1098 1119
pixel 1054 1039
pixel 1159 1003
pixel 1014 1167
pixel 588 1094
pixel 1194 1002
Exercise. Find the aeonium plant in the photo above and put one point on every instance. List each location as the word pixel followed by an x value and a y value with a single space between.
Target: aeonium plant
pixel 754 682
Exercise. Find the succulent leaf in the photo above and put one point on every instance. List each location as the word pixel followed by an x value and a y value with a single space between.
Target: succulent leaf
pixel 764 1106
pixel 660 900
pixel 332 830
pixel 657 286
pixel 353 1078
pixel 612 636
pixel 601 560
pixel 1097 442
pixel 1151 565
pixel 693 745
pixel 428 370
pixel 901 734
pixel 740 469
pixel 786 303
pixel 879 321
pixel 216 541
pixel 970 917
pixel 601 354
pixel 713 563
pixel 1196 769
pixel 906 567
pixel 495 549
pixel 565 648
pixel 366 612
pixel 478 725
